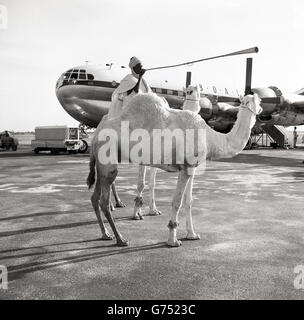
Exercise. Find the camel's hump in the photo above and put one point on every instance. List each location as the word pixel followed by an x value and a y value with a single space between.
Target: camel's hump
pixel 148 109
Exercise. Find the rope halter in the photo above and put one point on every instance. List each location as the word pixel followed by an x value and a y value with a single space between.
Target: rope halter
pixel 196 100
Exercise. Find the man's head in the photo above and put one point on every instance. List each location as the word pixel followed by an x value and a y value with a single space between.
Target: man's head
pixel 136 66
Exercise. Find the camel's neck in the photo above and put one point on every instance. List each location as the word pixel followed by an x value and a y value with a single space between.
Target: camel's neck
pixel 191 105
pixel 230 144
pixel 241 130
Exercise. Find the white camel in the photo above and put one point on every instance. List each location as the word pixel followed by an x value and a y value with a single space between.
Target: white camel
pixel 191 103
pixel 192 100
pixel 149 112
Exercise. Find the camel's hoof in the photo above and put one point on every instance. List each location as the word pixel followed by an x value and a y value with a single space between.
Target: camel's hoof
pixel 194 236
pixel 120 204
pixel 106 237
pixel 154 212
pixel 176 243
pixel 122 243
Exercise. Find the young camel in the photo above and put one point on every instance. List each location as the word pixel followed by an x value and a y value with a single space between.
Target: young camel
pixel 191 103
pixel 148 111
pixel 193 96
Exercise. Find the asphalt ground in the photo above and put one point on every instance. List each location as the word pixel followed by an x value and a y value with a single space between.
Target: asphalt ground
pixel 248 211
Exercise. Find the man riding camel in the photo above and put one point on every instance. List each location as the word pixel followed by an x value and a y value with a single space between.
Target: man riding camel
pixel 130 85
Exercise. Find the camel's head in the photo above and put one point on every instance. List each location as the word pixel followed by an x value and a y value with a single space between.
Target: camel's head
pixel 251 102
pixel 193 92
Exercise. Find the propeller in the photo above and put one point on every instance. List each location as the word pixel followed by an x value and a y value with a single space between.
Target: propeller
pixel 246 51
pixel 248 90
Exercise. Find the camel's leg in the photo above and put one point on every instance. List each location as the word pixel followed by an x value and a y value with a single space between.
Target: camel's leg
pixel 182 181
pixel 95 203
pixel 140 188
pixel 108 175
pixel 118 202
pixel 112 208
pixel 187 206
pixel 153 210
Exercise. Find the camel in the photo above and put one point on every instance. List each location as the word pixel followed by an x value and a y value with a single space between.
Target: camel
pixel 191 103
pixel 149 112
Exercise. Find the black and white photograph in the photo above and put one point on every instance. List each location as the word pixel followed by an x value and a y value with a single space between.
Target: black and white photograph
pixel 151 150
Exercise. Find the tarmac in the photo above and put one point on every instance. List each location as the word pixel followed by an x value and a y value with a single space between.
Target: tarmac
pixel 248 211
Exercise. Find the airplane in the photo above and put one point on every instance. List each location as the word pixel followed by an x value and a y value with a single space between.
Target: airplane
pixel 85 93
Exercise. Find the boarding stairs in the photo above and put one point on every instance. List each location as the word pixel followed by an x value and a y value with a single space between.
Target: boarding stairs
pixel 273 135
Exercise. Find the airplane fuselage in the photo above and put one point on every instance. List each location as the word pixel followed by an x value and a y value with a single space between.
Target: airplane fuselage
pixel 85 93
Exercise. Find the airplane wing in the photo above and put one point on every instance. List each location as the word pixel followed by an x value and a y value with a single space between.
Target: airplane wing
pixel 278 109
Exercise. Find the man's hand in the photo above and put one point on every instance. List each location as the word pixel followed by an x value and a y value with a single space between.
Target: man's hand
pixel 138 69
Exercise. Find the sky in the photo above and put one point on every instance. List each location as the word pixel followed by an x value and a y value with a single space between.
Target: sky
pixel 43 38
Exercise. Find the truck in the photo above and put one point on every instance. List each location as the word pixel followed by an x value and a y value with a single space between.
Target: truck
pixel 8 141
pixel 58 139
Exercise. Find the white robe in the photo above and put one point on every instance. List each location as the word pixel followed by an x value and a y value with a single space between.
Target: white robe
pixel 120 98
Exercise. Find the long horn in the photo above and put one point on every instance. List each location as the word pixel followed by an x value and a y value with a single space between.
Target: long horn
pixel 246 51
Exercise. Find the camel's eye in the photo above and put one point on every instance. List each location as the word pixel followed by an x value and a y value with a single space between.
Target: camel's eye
pixel 191 92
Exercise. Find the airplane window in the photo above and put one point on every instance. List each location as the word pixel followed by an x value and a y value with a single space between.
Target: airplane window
pixel 158 90
pixel 70 70
pixel 75 70
pixel 82 71
pixel 74 75
pixel 66 76
pixel 90 76
pixel 82 76
pixel 169 91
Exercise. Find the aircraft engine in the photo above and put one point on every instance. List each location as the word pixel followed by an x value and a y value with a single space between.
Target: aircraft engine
pixel 271 99
pixel 206 108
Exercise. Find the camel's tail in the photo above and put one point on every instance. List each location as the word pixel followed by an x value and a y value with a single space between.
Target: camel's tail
pixel 91 176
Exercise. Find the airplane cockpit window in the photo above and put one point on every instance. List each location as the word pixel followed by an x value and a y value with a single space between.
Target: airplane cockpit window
pixel 90 76
pixel 77 74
